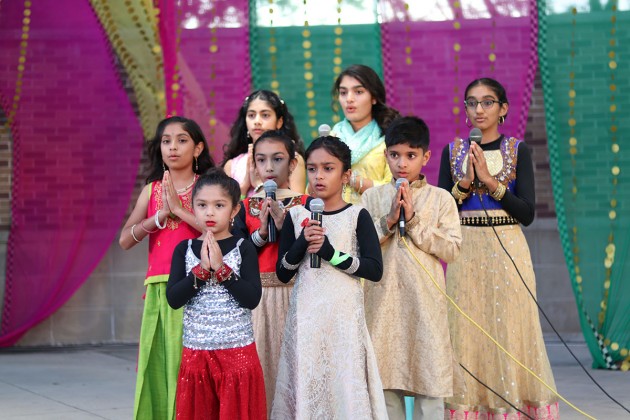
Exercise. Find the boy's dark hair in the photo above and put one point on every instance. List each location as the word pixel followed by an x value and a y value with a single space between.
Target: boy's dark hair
pixel 216 176
pixel 156 163
pixel 279 136
pixel 408 130
pixel 335 147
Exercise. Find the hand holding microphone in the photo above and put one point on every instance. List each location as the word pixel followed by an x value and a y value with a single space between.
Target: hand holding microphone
pixel 474 137
pixel 317 208
pixel 401 215
pixel 270 192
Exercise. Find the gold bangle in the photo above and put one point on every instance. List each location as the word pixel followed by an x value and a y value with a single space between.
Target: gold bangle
pixel 499 192
pixel 459 194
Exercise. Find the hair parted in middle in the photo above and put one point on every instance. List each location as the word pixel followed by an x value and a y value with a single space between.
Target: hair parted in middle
pixel 239 140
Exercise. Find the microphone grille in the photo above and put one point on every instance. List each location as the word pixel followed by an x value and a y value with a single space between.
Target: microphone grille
pixel 400 181
pixel 475 135
pixel 317 205
pixel 324 130
pixel 270 186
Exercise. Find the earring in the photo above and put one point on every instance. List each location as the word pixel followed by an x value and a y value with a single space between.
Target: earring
pixel 344 189
pixel 196 164
pixel 163 167
pixel 501 119
pixel 231 223
pixel 468 124
pixel 249 136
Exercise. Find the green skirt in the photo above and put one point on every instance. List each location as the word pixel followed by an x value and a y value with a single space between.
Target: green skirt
pixel 159 356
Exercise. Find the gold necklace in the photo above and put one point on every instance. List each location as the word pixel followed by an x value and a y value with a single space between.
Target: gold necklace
pixel 188 186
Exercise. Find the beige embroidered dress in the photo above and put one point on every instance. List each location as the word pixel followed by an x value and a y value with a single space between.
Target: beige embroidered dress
pixel 485 284
pixel 406 314
pixel 327 367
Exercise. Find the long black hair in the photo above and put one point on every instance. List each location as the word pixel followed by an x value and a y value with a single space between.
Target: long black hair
pixel 156 162
pixel 238 133
pixel 381 113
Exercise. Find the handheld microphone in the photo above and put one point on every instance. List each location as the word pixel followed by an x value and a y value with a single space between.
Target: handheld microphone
pixel 401 217
pixel 317 208
pixel 475 135
pixel 324 130
pixel 270 187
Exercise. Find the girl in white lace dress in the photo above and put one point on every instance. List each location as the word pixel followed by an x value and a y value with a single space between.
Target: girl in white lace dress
pixel 327 366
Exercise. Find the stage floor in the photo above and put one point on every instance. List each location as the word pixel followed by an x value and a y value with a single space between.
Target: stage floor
pixel 98 383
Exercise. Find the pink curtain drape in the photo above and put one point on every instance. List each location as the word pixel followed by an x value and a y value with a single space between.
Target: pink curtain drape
pixel 206 62
pixel 431 51
pixel 76 149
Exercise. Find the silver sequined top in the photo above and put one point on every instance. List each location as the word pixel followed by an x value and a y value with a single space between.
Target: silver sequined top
pixel 213 319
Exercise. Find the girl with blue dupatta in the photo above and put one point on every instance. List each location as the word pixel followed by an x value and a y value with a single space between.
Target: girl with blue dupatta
pixel 361 95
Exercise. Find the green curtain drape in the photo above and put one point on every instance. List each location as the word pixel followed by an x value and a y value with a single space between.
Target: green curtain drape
pixel 299 54
pixel 584 55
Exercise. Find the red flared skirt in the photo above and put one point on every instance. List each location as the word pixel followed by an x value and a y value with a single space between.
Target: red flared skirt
pixel 221 384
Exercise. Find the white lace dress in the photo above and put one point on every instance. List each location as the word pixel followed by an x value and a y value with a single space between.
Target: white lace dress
pixel 327 366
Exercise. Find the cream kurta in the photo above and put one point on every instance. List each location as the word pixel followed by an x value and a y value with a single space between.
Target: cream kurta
pixel 406 314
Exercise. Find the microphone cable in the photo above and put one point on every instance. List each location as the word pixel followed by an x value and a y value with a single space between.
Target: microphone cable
pixel 480 328
pixel 496 393
pixel 541 309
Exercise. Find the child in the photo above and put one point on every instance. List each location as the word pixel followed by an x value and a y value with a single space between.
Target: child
pixel 361 96
pixel 262 110
pixel 216 279
pixel 327 367
pixel 406 314
pixel 275 157
pixel 485 276
pixel 164 213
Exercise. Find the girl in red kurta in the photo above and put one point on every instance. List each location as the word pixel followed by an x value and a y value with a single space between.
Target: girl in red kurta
pixel 163 212
pixel 275 158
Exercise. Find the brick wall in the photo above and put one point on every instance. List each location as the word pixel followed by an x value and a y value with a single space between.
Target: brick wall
pixel 5 173
pixel 116 317
pixel 360 45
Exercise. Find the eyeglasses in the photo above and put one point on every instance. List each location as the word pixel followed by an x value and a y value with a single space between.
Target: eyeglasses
pixel 485 104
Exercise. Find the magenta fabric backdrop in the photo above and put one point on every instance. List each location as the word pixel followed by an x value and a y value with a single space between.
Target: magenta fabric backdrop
pixel 427 86
pixel 212 64
pixel 76 149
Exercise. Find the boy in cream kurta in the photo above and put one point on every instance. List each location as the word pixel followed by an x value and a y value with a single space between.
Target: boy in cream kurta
pixel 406 314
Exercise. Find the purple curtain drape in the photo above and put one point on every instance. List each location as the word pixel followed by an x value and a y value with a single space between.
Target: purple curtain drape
pixel 431 53
pixel 76 149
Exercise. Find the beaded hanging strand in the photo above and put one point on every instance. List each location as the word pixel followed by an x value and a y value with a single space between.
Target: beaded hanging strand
pixel 308 74
pixel 214 49
pixel 273 53
pixel 176 86
pixel 408 58
pixel 615 171
pixel 26 27
pixel 456 5
pixel 337 58
pixel 532 67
